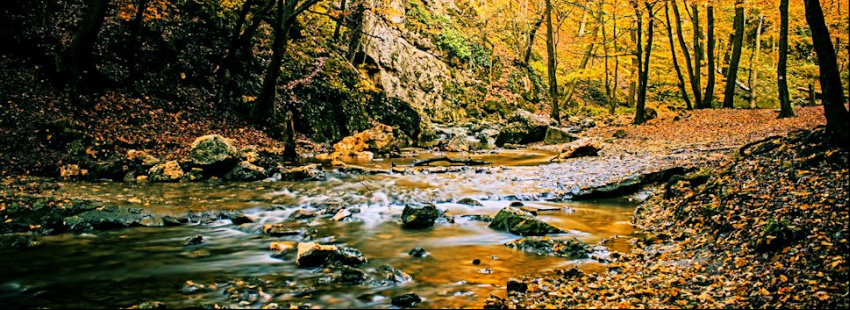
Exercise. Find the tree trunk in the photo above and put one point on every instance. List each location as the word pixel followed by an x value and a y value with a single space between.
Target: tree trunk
pixel 708 98
pixel 782 79
pixel 613 98
pixel 339 21
pixel 531 34
pixel 675 61
pixel 754 58
pixel 264 108
pixel 643 76
pixel 135 33
pixel 837 117
pixel 732 75
pixel 695 86
pixel 550 50
pixel 76 59
pixel 230 61
pixel 697 78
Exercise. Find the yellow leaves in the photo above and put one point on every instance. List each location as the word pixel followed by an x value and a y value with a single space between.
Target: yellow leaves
pixel 783 278
pixel 3 206
pixel 822 296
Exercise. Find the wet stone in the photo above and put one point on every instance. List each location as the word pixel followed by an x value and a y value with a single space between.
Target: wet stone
pixel 302 214
pixel 469 202
pixel 418 252
pixel 194 240
pixel 394 275
pixel 279 230
pixel 521 223
pixel 242 219
pixel 351 275
pixel 572 248
pixel 150 305
pixel 406 301
pixel 419 217
pixel 515 285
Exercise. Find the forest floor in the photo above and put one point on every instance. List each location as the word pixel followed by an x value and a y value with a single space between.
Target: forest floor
pixel 767 229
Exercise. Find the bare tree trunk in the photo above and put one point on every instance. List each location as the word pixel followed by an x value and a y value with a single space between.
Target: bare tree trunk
pixel 135 33
pixel 708 98
pixel 837 117
pixel 530 45
pixel 681 79
pixel 697 78
pixel 613 98
pixel 695 86
pixel 339 21
pixel 782 79
pixel 75 60
pixel 264 110
pixel 732 75
pixel 643 76
pixel 754 58
pixel 550 49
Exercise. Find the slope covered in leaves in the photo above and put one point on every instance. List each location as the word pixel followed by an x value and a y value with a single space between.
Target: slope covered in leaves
pixel 768 230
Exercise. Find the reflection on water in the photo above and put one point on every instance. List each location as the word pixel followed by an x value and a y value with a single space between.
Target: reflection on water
pixel 126 267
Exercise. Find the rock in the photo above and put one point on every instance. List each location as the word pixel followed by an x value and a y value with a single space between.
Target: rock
pixel 166 172
pixel 71 172
pixel 279 230
pixel 478 217
pixel 458 143
pixel 516 204
pixel 418 252
pixel 494 302
pixel 572 248
pixel 620 133
pixel 194 240
pixel 312 254
pixel 341 215
pixel 626 186
pixel 555 135
pixel 302 214
pixel 362 146
pixel 245 171
pixel 523 127
pixel 109 169
pixel 419 217
pixel 311 172
pixel 351 275
pixel 141 158
pixel 518 286
pixel 213 150
pixel 580 148
pixel 406 301
pixel 150 305
pixel 241 219
pixel 104 218
pixel 394 275
pixel 279 248
pixel 194 175
pixel 469 202
pixel 17 241
pixel 476 261
pixel 518 222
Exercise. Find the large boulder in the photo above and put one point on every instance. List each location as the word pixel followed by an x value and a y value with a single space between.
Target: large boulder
pixel 312 254
pixel 246 171
pixel 458 143
pixel 166 172
pixel 571 248
pixel 212 150
pixel 523 127
pixel 556 135
pixel 419 217
pixel 521 223
pixel 579 148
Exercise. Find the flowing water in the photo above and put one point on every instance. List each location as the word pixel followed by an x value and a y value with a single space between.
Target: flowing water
pixel 236 269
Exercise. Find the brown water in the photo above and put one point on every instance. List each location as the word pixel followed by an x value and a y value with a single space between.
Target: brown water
pixel 126 267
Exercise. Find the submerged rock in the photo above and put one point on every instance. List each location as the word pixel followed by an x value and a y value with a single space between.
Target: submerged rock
pixel 194 240
pixel 302 214
pixel 469 202
pixel 518 222
pixel 351 275
pixel 312 254
pixel 406 301
pixel 419 217
pixel 394 275
pixel 279 230
pixel 571 248
pixel 311 172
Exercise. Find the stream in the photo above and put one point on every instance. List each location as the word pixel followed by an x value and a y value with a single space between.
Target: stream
pixel 235 268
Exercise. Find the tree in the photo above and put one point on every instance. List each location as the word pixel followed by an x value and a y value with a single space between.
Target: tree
pixel 837 116
pixel 708 98
pixel 782 79
pixel 754 57
pixel 693 75
pixel 732 74
pixel 550 50
pixel 681 79
pixel 643 64
pixel 287 11
pixel 75 60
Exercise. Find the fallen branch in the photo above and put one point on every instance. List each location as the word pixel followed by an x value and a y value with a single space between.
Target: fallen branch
pixel 467 162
